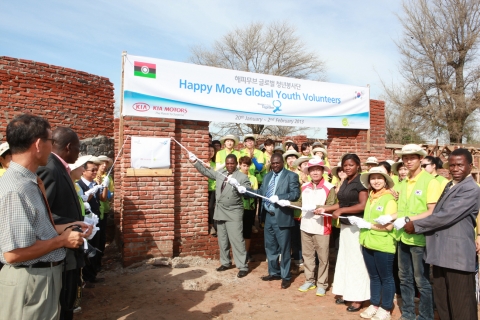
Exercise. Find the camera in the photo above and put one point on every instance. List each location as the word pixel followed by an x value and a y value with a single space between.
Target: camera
pixel 90 251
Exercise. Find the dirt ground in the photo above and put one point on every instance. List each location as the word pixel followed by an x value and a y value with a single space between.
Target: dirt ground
pixel 190 288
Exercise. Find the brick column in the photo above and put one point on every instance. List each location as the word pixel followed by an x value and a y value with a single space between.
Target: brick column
pixel 341 141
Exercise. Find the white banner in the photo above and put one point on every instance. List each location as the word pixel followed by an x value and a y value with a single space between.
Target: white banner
pixel 150 153
pixel 167 89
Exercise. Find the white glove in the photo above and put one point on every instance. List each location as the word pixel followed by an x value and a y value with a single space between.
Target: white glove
pixel 233 181
pixel 106 182
pixel 354 220
pixel 307 208
pixel 383 220
pixel 192 157
pixel 283 203
pixel 92 219
pixel 241 189
pixel 399 223
pixel 362 224
pixel 87 206
pixel 273 199
pixel 93 190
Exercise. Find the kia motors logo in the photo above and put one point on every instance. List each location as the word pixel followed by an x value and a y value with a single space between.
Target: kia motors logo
pixel 141 107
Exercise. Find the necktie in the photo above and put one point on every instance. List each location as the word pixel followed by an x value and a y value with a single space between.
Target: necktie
pixel 270 189
pixel 447 188
pixel 224 183
pixel 44 195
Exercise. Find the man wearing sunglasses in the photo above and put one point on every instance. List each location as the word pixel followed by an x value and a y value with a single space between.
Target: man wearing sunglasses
pixel 93 193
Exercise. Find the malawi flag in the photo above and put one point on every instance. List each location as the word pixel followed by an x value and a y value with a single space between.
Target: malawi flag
pixel 145 69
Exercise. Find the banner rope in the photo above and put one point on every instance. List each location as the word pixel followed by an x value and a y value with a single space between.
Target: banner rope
pixel 118 155
pixel 252 193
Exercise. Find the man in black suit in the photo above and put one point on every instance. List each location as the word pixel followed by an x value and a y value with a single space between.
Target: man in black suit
pixel 283 184
pixel 65 206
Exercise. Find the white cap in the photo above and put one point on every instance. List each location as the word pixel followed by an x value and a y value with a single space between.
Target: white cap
pixel 4 147
pixel 80 162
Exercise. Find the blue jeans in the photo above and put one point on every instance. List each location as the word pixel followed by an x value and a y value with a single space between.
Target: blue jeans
pixel 296 242
pixel 380 269
pixel 411 266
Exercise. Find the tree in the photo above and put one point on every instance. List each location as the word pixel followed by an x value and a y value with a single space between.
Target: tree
pixel 439 65
pixel 240 129
pixel 401 126
pixel 273 49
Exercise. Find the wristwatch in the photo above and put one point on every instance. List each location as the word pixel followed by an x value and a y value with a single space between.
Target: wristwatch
pixel 407 219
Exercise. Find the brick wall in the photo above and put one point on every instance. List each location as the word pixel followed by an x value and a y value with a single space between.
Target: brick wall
pixel 341 141
pixel 167 216
pixel 65 97
pixel 164 216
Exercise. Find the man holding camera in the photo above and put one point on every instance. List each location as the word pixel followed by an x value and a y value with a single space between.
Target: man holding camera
pixel 31 244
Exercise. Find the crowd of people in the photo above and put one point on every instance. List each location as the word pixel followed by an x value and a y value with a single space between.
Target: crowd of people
pixel 53 216
pixel 397 220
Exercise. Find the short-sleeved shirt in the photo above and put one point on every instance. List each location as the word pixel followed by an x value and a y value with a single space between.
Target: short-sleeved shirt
pixel 348 196
pixel 105 205
pixel 433 189
pixel 24 217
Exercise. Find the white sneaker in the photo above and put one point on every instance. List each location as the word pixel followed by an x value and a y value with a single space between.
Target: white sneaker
pixel 369 312
pixel 382 314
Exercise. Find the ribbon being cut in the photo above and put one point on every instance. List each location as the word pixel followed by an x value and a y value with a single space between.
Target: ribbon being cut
pixel 242 189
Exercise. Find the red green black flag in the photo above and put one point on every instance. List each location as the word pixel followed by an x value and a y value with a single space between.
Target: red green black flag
pixel 145 69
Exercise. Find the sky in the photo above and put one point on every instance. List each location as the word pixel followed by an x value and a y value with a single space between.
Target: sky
pixel 356 39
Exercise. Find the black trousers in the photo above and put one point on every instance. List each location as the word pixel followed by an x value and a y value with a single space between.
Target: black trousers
pixel 91 267
pixel 211 206
pixel 68 295
pixel 454 294
pixel 102 224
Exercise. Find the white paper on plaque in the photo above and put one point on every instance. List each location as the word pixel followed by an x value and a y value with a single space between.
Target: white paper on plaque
pixel 150 153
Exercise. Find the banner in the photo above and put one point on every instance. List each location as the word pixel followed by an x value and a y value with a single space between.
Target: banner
pixel 166 89
pixel 150 153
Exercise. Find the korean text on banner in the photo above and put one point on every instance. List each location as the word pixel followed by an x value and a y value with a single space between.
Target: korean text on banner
pixel 150 153
pixel 167 89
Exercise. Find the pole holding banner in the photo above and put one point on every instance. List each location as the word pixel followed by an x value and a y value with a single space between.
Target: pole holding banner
pixel 121 124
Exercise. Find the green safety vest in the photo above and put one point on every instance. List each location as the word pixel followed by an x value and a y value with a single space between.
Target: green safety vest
pixel 249 203
pixel 383 241
pixel 398 185
pixel 264 170
pixel 82 206
pixel 222 155
pixel 414 205
pixel 260 159
pixel 212 183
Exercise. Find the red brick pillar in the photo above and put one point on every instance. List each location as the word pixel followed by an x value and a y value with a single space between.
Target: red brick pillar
pixel 164 216
pixel 341 141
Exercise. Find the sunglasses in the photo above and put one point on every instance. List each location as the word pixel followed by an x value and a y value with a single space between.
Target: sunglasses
pixel 425 165
pixel 92 170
